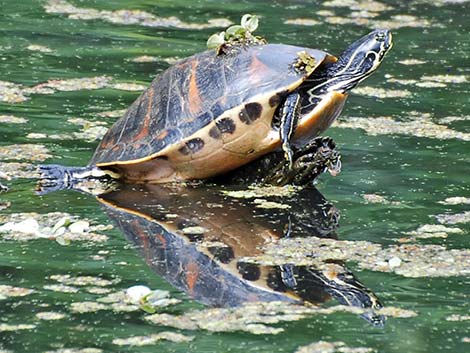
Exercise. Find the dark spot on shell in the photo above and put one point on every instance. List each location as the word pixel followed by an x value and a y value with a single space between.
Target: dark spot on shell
pixel 250 113
pixel 214 132
pixel 276 99
pixel 192 146
pixel 250 272
pixel 222 126
pixel 226 125
pixel 223 254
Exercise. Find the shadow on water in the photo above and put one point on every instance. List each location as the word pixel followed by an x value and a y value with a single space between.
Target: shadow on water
pixel 198 239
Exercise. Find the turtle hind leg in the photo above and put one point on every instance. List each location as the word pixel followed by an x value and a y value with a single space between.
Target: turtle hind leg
pixel 54 177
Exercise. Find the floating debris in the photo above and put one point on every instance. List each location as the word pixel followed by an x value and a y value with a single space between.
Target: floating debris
pixel 302 22
pixel 414 260
pixel 7 291
pixel 451 119
pixel 463 217
pixel 262 203
pixel 419 127
pixel 11 93
pixel 412 62
pixel 374 198
pixel 332 347
pixel 93 133
pixel 139 341
pixel 58 226
pixel 39 48
pixel 151 59
pixel 76 350
pixel 98 290
pixel 381 92
pixel 15 93
pixel 365 5
pixel 113 113
pixel 132 87
pixel 91 130
pixel 8 327
pixel 252 317
pixel 50 316
pixel 84 280
pixel 391 311
pixel 194 230
pixel 30 152
pixel 431 231
pixel 255 191
pixel 10 119
pixel 458 317
pixel 74 84
pixel 445 78
pixel 400 21
pixel 87 307
pixel 4 204
pixel 401 81
pixel 325 13
pixel 456 201
pixel 364 13
pixel 128 17
pixel 145 59
pixel 61 288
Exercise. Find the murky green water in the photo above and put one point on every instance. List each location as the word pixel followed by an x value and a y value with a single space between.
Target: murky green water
pixel 404 135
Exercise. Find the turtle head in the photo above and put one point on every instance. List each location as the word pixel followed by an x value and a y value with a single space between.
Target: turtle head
pixel 359 60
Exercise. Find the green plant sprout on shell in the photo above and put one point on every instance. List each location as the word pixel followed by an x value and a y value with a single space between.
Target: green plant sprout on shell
pixel 236 35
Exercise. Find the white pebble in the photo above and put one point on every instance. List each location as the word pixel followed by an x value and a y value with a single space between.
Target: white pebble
pixel 135 293
pixel 394 262
pixel 79 227
pixel 28 226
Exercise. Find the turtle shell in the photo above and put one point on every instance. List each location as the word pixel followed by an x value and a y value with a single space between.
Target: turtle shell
pixel 205 115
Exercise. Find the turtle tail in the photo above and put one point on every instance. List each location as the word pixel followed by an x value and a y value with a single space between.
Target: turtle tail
pixel 54 177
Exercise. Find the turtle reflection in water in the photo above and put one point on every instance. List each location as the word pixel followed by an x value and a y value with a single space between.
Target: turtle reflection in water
pixel 196 238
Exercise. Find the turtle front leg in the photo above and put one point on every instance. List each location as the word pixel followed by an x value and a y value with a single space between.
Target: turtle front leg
pixel 290 112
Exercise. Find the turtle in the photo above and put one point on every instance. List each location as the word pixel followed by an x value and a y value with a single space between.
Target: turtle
pixel 209 114
pixel 204 251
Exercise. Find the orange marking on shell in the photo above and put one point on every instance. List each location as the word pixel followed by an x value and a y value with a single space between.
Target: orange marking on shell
pixel 162 135
pixel 195 102
pixel 144 131
pixel 257 68
pixel 161 239
pixel 192 274
pixel 144 239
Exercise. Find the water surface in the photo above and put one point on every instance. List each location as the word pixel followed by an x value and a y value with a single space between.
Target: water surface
pixel 414 159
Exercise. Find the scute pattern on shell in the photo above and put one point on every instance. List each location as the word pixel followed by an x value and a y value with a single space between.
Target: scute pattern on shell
pixel 195 91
